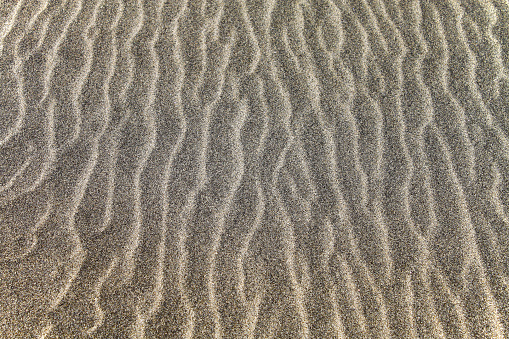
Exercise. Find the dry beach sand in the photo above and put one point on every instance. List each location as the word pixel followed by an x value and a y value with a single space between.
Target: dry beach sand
pixel 254 169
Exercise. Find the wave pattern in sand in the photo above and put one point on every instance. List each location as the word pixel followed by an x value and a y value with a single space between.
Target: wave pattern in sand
pixel 254 169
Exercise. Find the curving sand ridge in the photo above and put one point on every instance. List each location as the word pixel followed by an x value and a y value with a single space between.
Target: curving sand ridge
pixel 254 169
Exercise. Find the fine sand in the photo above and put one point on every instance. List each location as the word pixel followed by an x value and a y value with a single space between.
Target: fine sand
pixel 254 169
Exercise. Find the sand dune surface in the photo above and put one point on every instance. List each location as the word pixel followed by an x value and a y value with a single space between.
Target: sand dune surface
pixel 254 169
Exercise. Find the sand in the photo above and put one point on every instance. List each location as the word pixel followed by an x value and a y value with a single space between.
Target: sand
pixel 254 169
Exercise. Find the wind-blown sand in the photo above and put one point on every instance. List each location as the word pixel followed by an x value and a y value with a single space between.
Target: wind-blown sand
pixel 254 169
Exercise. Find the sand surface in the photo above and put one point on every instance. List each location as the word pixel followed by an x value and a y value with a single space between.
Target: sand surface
pixel 254 169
